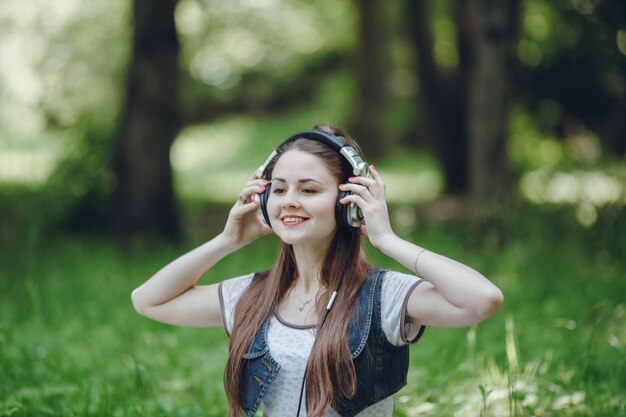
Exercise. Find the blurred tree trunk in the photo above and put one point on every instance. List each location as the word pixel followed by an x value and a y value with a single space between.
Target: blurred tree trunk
pixel 495 23
pixel 372 64
pixel 467 108
pixel 616 136
pixel 444 100
pixel 143 199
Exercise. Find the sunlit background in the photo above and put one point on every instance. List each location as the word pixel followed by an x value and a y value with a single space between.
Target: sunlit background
pixel 553 237
pixel 62 70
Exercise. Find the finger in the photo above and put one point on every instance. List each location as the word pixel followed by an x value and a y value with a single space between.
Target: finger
pixel 376 175
pixel 249 189
pixel 361 190
pixel 242 199
pixel 254 189
pixel 375 185
pixel 258 181
pixel 243 208
pixel 248 192
pixel 366 182
pixel 254 176
pixel 354 198
pixel 357 188
pixel 374 172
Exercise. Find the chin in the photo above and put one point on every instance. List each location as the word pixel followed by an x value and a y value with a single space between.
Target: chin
pixel 295 238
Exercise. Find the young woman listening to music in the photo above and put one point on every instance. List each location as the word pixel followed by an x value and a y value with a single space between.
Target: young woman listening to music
pixel 321 333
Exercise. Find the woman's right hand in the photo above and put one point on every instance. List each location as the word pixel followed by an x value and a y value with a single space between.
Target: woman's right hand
pixel 243 225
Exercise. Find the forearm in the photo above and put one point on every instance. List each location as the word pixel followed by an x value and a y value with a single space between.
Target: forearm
pixel 181 274
pixel 459 284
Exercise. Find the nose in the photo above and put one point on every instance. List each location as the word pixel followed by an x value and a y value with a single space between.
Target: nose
pixel 290 200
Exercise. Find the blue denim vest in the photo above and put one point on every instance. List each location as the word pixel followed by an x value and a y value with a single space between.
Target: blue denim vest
pixel 381 368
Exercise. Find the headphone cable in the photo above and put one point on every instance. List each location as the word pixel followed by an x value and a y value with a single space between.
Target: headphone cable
pixel 330 304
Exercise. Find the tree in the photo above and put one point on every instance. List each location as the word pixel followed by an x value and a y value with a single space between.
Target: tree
pixel 143 199
pixel 467 108
pixel 578 66
pixel 488 94
pixel 444 98
pixel 371 70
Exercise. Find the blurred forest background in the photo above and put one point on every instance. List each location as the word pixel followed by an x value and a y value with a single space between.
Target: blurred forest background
pixel 127 129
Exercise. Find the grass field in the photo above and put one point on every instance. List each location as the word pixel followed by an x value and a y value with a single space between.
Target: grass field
pixel 71 344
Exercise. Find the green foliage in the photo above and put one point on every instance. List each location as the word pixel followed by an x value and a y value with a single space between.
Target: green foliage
pixel 75 197
pixel 63 82
pixel 72 344
pixel 60 101
pixel 571 71
pixel 223 42
pixel 83 181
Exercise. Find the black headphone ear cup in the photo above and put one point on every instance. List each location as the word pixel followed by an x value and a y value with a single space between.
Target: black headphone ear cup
pixel 341 211
pixel 263 197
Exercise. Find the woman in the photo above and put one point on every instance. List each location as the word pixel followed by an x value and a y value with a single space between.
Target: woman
pixel 321 331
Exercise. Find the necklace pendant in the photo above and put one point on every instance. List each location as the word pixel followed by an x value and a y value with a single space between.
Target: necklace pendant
pixel 303 303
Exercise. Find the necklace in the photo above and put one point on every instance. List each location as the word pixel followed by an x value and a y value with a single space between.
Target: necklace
pixel 303 303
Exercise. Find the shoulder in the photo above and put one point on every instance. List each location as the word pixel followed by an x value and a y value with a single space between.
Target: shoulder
pixel 389 280
pixel 395 280
pixel 232 288
pixel 235 282
pixel 230 292
pixel 396 290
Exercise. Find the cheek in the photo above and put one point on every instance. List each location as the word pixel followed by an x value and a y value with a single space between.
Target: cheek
pixel 272 205
pixel 327 209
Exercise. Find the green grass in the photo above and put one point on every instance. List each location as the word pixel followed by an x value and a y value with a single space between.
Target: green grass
pixel 71 344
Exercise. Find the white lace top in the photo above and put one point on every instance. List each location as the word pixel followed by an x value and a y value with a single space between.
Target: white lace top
pixel 290 344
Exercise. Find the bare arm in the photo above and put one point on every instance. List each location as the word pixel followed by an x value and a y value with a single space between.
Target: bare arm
pixel 172 296
pixel 455 294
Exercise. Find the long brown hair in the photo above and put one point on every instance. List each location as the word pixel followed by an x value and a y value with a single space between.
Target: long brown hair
pixel 330 371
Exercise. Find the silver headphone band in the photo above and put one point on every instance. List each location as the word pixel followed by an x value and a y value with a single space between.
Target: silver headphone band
pixel 359 167
pixel 261 171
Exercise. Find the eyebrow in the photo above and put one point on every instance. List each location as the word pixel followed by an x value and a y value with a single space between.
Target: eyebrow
pixel 302 180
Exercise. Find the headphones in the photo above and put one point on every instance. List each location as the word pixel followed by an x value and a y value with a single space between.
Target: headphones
pixel 348 216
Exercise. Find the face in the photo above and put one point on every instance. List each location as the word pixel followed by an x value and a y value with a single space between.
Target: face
pixel 301 205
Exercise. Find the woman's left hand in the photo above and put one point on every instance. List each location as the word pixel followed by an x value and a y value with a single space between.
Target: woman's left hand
pixel 369 195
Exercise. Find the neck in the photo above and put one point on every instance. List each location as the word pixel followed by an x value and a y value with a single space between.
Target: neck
pixel 309 261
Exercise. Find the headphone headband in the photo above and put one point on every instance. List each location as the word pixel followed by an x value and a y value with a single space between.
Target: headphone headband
pixel 359 167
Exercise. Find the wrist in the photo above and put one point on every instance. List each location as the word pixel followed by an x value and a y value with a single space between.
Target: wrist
pixel 226 243
pixel 385 242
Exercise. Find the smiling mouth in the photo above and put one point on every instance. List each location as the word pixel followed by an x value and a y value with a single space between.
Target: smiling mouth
pixel 292 221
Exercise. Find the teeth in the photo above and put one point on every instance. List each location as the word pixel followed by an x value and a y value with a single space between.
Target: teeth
pixel 293 219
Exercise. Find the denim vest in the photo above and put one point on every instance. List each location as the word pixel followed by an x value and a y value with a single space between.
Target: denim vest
pixel 381 368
